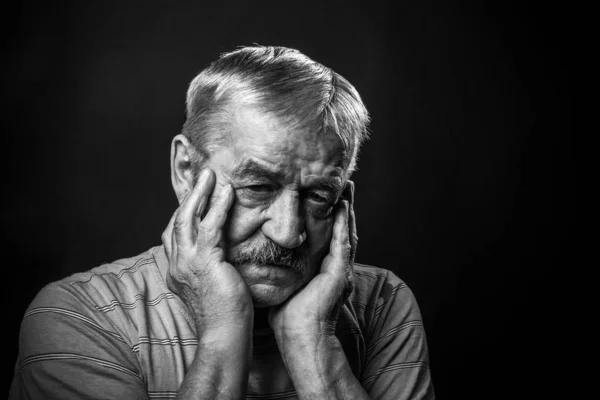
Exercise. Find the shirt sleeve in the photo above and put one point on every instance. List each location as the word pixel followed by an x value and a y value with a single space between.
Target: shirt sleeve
pixel 397 359
pixel 68 351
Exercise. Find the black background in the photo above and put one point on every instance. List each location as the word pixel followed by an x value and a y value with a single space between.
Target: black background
pixel 466 188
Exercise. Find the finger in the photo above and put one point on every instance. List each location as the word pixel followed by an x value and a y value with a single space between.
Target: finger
pixel 352 221
pixel 339 248
pixel 167 235
pixel 352 234
pixel 216 217
pixel 192 207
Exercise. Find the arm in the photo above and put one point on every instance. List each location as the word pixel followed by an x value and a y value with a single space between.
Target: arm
pixel 213 291
pixel 396 366
pixel 69 350
pixel 304 325
pixel 319 369
pixel 220 368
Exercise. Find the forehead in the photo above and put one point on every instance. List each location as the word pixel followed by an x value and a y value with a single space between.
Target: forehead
pixel 255 134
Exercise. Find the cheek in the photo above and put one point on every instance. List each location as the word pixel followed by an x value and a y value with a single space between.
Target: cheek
pixel 242 223
pixel 319 234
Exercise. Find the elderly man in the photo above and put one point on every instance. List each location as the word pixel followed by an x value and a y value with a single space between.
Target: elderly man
pixel 254 292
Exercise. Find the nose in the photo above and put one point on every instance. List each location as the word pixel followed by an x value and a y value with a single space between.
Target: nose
pixel 285 222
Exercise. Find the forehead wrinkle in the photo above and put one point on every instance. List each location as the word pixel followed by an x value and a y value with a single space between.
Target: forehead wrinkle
pixel 251 166
pixel 300 143
pixel 278 149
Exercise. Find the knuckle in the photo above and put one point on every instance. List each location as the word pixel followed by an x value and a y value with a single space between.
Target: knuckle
pixel 179 224
pixel 198 273
pixel 206 233
pixel 203 229
pixel 216 237
pixel 346 248
pixel 179 247
pixel 173 280
pixel 167 237
pixel 216 253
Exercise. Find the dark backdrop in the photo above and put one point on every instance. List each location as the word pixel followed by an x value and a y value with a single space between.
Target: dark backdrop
pixel 466 189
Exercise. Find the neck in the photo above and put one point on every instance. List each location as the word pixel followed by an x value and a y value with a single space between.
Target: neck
pixel 261 322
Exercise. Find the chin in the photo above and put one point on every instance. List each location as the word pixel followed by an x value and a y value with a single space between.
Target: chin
pixel 265 295
pixel 270 285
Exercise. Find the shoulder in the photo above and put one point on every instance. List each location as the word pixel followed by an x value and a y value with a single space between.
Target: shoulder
pixel 87 319
pixel 115 281
pixel 92 301
pixel 373 285
pixel 378 295
pixel 84 328
pixel 368 276
pixel 396 357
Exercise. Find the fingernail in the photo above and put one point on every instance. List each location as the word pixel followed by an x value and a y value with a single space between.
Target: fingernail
pixel 206 176
pixel 302 237
pixel 204 173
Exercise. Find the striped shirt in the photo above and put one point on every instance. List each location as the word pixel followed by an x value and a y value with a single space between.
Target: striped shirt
pixel 117 332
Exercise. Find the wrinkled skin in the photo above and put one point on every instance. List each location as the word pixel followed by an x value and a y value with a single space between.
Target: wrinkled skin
pixel 287 206
pixel 266 185
pixel 286 189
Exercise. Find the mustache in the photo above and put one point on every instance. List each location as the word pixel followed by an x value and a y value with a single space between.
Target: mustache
pixel 269 252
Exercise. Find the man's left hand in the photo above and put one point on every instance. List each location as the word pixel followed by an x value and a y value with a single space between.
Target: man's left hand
pixel 313 311
pixel 304 325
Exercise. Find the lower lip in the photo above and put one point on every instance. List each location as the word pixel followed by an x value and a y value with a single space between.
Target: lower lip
pixel 274 267
pixel 271 272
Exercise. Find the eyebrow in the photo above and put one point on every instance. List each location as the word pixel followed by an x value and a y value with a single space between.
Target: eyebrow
pixel 253 168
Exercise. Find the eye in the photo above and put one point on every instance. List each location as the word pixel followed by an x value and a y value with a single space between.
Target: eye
pixel 316 197
pixel 261 189
pixel 318 205
pixel 258 191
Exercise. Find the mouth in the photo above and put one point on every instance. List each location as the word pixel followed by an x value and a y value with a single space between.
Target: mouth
pixel 278 265
pixel 268 272
pixel 268 264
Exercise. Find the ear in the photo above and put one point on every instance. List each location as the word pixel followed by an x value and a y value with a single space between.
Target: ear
pixel 182 172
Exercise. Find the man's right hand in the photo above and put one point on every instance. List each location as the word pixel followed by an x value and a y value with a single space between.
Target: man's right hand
pixel 211 288
pixel 213 291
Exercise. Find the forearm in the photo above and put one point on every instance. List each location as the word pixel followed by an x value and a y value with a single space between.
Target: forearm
pixel 220 367
pixel 319 368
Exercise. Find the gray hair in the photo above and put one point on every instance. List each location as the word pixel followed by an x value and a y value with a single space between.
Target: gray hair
pixel 282 81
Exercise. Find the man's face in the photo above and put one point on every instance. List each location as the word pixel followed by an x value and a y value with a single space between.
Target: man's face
pixel 286 184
